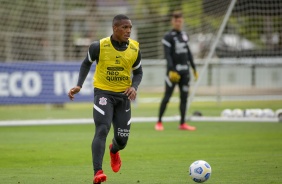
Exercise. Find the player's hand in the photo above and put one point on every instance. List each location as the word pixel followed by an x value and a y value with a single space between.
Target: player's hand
pixel 196 75
pixel 73 91
pixel 173 76
pixel 130 93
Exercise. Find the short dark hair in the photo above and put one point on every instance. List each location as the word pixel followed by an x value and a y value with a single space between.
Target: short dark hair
pixel 118 18
pixel 176 14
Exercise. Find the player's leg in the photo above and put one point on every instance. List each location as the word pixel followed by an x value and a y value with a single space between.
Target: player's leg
pixel 121 125
pixel 102 114
pixel 184 91
pixel 169 87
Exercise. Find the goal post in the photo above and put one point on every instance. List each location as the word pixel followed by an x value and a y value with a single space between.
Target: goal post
pixel 211 52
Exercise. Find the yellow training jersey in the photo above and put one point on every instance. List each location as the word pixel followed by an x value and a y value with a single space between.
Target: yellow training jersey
pixel 113 71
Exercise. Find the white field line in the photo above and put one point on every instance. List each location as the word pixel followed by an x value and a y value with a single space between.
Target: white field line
pixel 234 119
pixel 134 120
pixel 213 98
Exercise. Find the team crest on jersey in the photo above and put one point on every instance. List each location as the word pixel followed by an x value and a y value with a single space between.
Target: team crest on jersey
pixel 185 37
pixel 103 101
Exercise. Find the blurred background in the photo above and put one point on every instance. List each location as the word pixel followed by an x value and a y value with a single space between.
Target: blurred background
pixel 43 42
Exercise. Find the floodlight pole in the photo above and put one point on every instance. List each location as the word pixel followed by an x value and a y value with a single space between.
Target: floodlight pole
pixel 211 52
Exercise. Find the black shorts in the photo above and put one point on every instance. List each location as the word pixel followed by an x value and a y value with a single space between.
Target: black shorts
pixel 115 108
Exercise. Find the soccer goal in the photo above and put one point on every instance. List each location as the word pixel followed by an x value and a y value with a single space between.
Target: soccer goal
pixel 249 39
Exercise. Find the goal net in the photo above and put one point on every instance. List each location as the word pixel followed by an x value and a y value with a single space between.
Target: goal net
pixel 245 56
pixel 238 53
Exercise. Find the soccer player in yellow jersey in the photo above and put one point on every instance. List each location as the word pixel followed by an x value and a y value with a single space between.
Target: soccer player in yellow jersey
pixel 116 57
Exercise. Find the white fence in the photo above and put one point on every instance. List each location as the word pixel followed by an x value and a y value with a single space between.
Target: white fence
pixel 225 77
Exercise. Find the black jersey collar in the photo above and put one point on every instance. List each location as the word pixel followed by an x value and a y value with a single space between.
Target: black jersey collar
pixel 177 31
pixel 119 46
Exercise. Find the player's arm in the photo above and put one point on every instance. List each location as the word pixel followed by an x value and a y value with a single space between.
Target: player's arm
pixel 191 60
pixel 172 73
pixel 167 52
pixel 136 79
pixel 92 55
pixel 137 72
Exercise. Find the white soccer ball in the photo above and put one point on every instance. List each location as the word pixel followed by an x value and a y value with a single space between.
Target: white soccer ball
pixel 226 113
pixel 278 114
pixel 238 113
pixel 250 113
pixel 200 171
pixel 268 113
pixel 258 113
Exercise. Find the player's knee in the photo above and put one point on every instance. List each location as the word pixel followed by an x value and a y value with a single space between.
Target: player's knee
pixel 120 142
pixel 184 97
pixel 102 131
pixel 183 101
pixel 165 100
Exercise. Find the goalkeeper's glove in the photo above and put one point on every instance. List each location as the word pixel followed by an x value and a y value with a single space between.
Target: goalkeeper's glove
pixel 173 76
pixel 196 75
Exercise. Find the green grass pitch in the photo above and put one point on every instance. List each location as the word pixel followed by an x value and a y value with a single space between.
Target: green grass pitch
pixel 84 110
pixel 238 153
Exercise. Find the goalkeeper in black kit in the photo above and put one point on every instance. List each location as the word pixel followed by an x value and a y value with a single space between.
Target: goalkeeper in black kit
pixel 179 59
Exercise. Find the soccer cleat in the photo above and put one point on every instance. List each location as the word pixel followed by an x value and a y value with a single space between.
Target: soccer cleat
pixel 185 126
pixel 159 126
pixel 115 160
pixel 99 177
